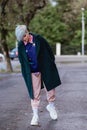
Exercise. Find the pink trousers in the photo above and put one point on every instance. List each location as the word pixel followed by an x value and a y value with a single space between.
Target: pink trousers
pixel 36 82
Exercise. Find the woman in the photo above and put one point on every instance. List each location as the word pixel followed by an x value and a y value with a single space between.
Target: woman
pixel 38 69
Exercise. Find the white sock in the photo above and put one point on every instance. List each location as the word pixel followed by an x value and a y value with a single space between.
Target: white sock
pixel 51 104
pixel 35 111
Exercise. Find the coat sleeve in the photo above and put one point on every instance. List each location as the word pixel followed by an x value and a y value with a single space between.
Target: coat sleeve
pixel 47 46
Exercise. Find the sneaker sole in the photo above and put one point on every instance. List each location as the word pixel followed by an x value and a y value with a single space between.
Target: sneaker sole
pixel 35 124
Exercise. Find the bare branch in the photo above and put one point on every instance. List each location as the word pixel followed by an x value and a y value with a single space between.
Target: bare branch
pixel 3 5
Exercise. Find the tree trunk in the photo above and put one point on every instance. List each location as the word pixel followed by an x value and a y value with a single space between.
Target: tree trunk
pixel 5 50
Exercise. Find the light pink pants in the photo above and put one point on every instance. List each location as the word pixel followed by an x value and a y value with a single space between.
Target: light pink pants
pixel 36 82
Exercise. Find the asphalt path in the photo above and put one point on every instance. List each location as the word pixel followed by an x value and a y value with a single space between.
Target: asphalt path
pixel 71 101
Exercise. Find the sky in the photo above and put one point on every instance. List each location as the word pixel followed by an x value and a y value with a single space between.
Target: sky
pixel 53 2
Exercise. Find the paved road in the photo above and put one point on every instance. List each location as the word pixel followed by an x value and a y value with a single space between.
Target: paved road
pixel 71 103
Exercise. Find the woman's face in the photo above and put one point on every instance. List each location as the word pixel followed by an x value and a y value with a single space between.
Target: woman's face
pixel 26 38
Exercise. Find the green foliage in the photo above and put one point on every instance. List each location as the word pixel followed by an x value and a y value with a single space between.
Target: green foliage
pixel 13 13
pixel 47 23
pixel 62 23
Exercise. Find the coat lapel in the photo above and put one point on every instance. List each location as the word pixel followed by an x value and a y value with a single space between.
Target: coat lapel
pixel 22 49
pixel 37 43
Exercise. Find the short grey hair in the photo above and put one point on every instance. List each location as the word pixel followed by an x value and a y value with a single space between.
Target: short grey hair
pixel 20 31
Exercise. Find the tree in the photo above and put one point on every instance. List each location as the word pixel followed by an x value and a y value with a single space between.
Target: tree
pixel 47 23
pixel 71 16
pixel 62 23
pixel 13 13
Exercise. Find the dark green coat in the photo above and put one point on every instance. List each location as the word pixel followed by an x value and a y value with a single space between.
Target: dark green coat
pixel 46 61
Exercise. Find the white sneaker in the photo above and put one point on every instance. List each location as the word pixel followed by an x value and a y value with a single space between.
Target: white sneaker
pixel 52 111
pixel 35 120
